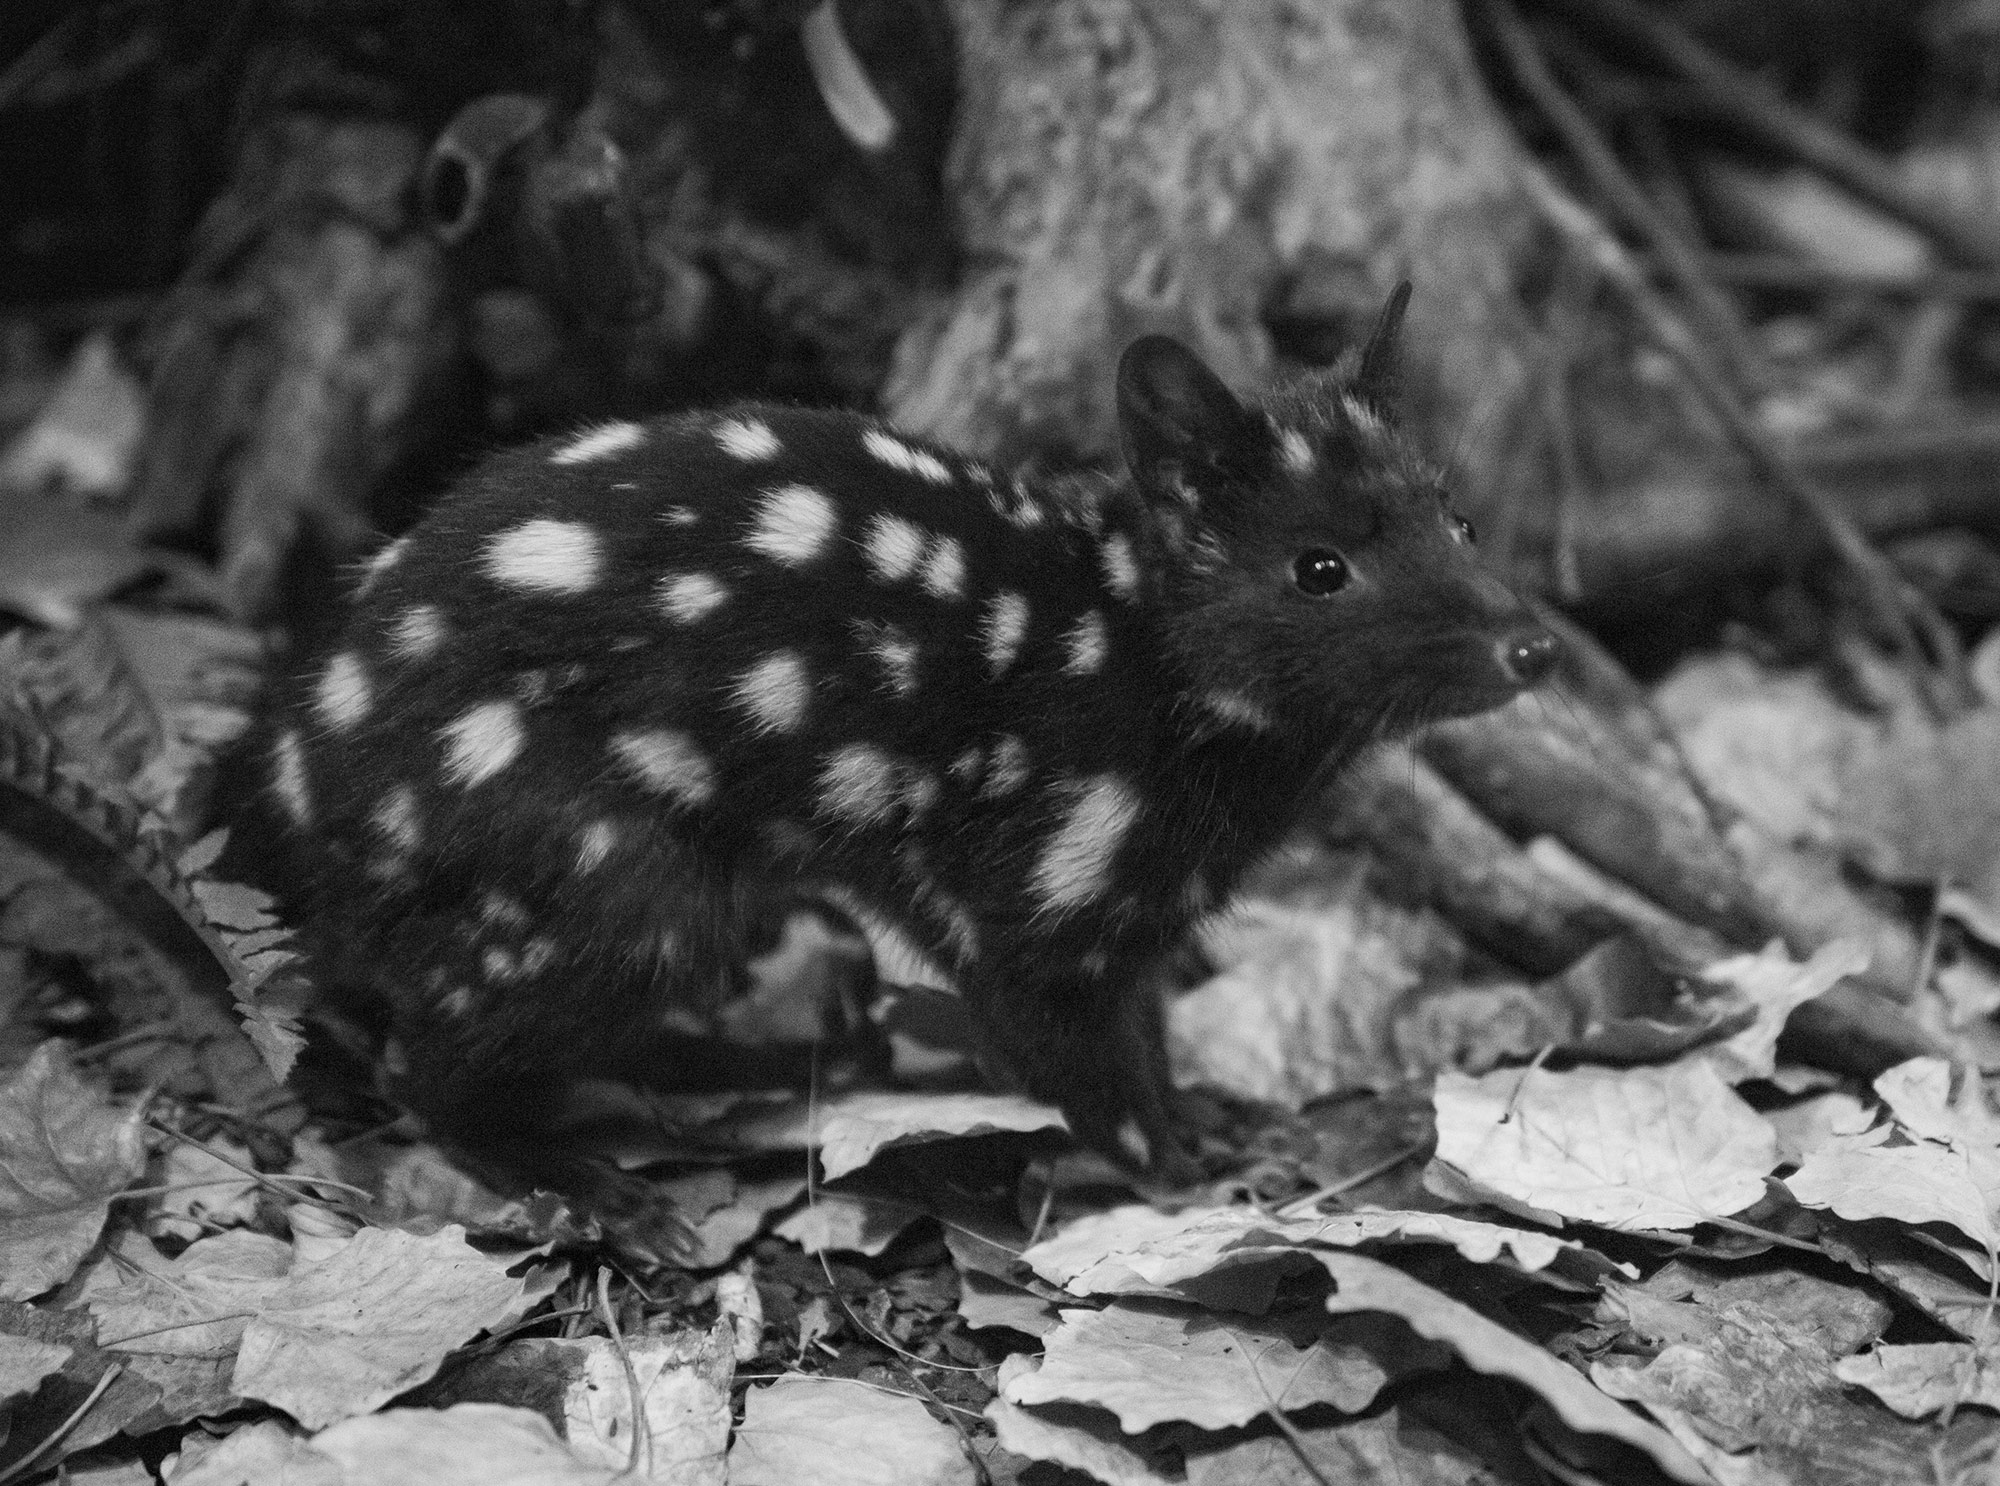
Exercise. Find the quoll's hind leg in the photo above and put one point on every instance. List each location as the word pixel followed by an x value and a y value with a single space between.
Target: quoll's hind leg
pixel 1096 1048
pixel 507 999
pixel 505 1128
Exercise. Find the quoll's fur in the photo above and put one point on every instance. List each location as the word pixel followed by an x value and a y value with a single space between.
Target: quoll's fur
pixel 618 678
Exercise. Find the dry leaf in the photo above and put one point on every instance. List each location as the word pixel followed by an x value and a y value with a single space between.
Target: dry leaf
pixel 1775 985
pixel 723 1211
pixel 348 1334
pixel 1630 1148
pixel 1077 1438
pixel 1926 1378
pixel 468 1444
pixel 204 1191
pixel 683 1382
pixel 195 1305
pixel 1138 1250
pixel 1157 1362
pixel 855 1221
pixel 64 1154
pixel 24 1362
pixel 1897 793
pixel 852 1129
pixel 1366 1284
pixel 833 1432
pixel 1386 1449
pixel 257 1453
pixel 1302 1006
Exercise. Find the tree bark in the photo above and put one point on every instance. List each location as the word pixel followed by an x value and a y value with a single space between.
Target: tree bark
pixel 1253 176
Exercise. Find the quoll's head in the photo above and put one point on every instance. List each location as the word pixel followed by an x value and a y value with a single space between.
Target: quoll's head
pixel 1305 560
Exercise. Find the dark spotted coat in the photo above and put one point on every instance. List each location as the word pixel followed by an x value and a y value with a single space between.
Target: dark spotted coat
pixel 618 680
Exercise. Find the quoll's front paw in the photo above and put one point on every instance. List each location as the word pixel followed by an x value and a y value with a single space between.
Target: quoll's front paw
pixel 1105 1066
pixel 638 1218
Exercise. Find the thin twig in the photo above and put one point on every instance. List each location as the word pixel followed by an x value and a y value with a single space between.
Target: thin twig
pixel 1714 315
pixel 1810 276
pixel 261 1178
pixel 642 1427
pixel 1747 100
pixel 62 1430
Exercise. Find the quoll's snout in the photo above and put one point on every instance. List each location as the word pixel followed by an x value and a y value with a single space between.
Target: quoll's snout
pixel 1528 654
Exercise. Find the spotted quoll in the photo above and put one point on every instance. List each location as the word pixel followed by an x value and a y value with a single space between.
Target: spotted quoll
pixel 621 679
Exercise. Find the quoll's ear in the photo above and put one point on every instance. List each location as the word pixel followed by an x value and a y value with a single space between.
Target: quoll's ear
pixel 1381 373
pixel 1172 410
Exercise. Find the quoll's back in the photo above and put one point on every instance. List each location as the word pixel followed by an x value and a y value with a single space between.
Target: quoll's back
pixel 619 682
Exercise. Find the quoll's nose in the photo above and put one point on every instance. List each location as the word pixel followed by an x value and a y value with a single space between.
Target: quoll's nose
pixel 1529 654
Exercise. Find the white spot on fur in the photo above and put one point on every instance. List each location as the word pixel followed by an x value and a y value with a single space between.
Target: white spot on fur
pixel 967 767
pixel 898 455
pixel 858 783
pixel 1196 895
pixel 1132 1140
pixel 498 908
pixel 775 692
pixel 1237 710
pixel 537 955
pixel 962 932
pixel 747 438
pixel 417 632
pixel 395 819
pixel 593 845
pixel 499 964
pixel 458 1001
pixel 1024 510
pixel 481 741
pixel 1009 767
pixel 668 763
pixel 893 549
pixel 920 788
pixel 1296 450
pixel 944 569
pixel 1084 645
pixel 532 687
pixel 864 784
pixel 343 697
pixel 380 563
pixel 1121 573
pixel 679 516
pixel 897 654
pixel 1006 626
pixel 544 557
pixel 689 597
pixel 1365 419
pixel 793 525
pixel 1075 862
pixel 600 443
pixel 288 777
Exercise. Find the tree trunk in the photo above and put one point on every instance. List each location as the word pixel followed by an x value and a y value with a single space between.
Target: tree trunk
pixel 1252 176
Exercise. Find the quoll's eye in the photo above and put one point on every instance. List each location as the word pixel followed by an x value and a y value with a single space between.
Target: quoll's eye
pixel 1319 573
pixel 1461 529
